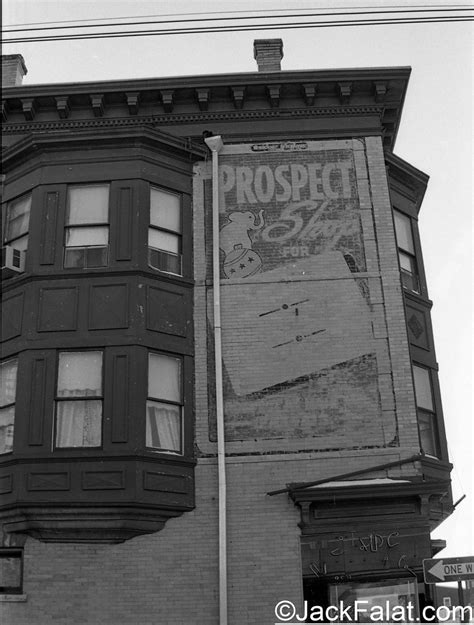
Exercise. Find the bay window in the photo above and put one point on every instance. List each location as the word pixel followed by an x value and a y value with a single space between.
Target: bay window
pixel 164 406
pixel 406 252
pixel 87 226
pixel 79 400
pixel 9 370
pixel 164 233
pixel 17 221
pixel 426 412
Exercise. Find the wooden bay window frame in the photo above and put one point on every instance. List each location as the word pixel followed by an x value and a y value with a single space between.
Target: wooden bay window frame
pixel 165 231
pixel 79 400
pixel 165 404
pixel 9 371
pixel 86 235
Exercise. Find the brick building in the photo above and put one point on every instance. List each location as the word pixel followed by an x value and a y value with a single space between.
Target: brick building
pixel 150 224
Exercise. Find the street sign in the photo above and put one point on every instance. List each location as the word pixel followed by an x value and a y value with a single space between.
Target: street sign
pixel 448 569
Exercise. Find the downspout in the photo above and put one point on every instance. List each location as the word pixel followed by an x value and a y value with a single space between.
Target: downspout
pixel 215 144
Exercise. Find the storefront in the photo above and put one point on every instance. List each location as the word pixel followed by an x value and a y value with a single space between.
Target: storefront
pixel 363 543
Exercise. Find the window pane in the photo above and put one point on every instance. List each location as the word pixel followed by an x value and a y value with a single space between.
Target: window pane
pixel 88 204
pixel 163 426
pixel 7 419
pixel 18 217
pixel 79 423
pixel 423 394
pixel 80 374
pixel 403 231
pixel 166 241
pixel 84 237
pixel 427 427
pixel 164 377
pixel 165 210
pixel 164 261
pixel 8 371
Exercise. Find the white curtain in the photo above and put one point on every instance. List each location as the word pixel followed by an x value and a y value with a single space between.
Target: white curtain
pixel 7 417
pixel 78 423
pixel 163 426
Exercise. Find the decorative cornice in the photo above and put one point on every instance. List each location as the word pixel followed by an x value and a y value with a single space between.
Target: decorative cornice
pixel 259 95
pixel 190 118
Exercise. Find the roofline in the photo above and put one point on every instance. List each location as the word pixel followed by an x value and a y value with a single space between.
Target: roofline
pixel 326 75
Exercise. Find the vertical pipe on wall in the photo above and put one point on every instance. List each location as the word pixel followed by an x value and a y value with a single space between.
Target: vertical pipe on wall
pixel 215 144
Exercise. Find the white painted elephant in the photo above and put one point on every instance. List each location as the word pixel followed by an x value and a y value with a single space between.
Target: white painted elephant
pixel 236 232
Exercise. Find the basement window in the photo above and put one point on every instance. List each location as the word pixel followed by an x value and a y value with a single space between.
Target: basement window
pixel 11 571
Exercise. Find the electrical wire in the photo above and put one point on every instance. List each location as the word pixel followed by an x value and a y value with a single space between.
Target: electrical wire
pixel 318 13
pixel 242 28
pixel 130 17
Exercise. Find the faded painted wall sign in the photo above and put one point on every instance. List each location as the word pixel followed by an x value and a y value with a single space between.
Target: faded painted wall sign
pixel 298 345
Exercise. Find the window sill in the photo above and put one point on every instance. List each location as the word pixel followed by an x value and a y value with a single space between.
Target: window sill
pixel 13 598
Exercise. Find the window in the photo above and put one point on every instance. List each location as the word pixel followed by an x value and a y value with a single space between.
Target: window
pixel 426 414
pixel 359 598
pixel 11 571
pixel 165 404
pixel 79 400
pixel 406 252
pixel 17 223
pixel 7 404
pixel 87 227
pixel 164 233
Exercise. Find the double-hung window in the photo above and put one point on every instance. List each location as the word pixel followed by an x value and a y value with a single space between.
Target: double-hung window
pixel 7 404
pixel 87 226
pixel 426 412
pixel 79 400
pixel 17 222
pixel 406 252
pixel 164 409
pixel 164 233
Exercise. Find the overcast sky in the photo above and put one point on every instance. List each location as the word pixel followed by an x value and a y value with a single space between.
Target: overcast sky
pixel 435 136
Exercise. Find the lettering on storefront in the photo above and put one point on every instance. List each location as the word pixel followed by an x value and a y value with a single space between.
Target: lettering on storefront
pixel 372 542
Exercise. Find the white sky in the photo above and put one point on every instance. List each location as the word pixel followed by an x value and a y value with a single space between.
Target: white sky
pixel 435 136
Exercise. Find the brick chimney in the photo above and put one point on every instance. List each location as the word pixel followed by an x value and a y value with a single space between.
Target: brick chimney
pixel 268 53
pixel 13 70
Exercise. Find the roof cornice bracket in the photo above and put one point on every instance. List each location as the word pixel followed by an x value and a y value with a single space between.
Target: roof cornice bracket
pixel 380 88
pixel 203 96
pixel 29 110
pixel 345 92
pixel 273 92
pixel 62 106
pixel 310 92
pixel 167 96
pixel 238 94
pixel 97 104
pixel 133 102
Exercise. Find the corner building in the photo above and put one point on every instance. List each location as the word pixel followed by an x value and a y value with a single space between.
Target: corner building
pixel 335 452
